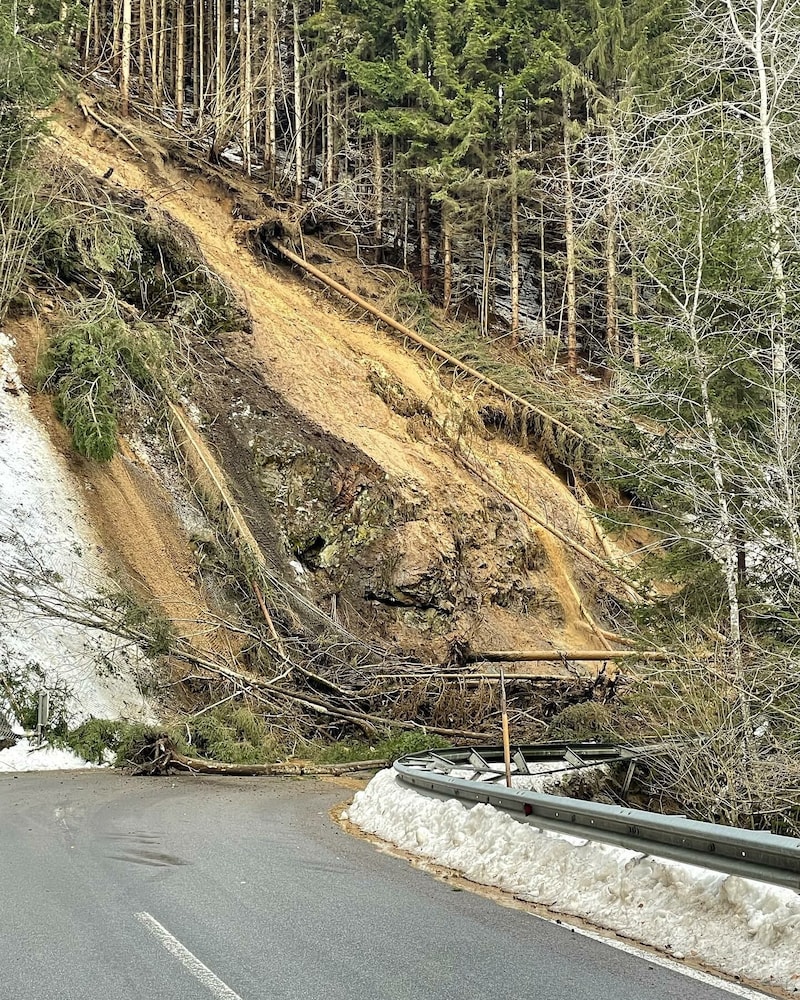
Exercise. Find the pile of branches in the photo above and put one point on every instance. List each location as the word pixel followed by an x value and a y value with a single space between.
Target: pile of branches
pixel 157 754
pixel 327 684
pixel 335 685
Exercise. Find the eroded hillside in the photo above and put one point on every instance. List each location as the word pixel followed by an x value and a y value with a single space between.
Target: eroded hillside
pixel 331 436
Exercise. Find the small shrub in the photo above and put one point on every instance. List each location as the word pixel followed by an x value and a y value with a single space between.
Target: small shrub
pixel 587 720
pixel 94 737
pixel 410 305
pixel 398 743
pixel 95 364
pixel 404 741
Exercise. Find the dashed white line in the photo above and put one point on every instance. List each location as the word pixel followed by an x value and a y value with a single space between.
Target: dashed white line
pixel 190 962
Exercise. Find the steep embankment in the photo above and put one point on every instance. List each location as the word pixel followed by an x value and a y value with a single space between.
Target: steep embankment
pixel 55 575
pixel 330 433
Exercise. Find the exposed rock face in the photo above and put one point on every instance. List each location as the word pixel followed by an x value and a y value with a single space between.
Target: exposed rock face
pixel 412 562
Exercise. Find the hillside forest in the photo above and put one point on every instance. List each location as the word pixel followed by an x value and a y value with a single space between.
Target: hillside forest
pixel 596 201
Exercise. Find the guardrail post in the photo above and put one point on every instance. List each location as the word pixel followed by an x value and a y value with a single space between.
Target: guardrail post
pixel 42 714
pixel 504 717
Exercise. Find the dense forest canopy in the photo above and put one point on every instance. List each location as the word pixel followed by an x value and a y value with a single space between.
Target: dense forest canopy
pixel 448 140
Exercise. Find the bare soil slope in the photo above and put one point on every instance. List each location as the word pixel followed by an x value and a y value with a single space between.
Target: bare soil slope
pixel 329 432
pixel 133 513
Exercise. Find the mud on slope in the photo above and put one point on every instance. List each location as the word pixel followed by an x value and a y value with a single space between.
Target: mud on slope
pixel 322 425
pixel 376 550
pixel 146 544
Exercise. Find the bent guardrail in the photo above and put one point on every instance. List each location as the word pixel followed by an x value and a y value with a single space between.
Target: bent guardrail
pixel 748 853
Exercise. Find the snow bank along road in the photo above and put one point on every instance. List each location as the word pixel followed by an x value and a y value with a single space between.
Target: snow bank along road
pixel 244 889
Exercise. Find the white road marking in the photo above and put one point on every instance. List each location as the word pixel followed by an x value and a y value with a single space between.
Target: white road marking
pixel 736 989
pixel 190 962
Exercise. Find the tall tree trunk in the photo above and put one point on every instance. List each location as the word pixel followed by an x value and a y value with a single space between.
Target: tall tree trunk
pixel 542 276
pixel 116 35
pixel 514 249
pixel 200 81
pixel 142 25
pixel 270 135
pixel 727 534
pixel 569 239
pixel 377 189
pixel 96 33
pixel 195 71
pixel 180 61
pixel 611 214
pixel 769 104
pixel 298 109
pixel 423 203
pixel 246 78
pixel 169 50
pixel 487 266
pixel 447 255
pixel 125 65
pixel 153 44
pixel 612 313
pixel 87 41
pixel 162 54
pixel 766 110
pixel 220 80
pixel 330 136
pixel 405 233
pixel 396 214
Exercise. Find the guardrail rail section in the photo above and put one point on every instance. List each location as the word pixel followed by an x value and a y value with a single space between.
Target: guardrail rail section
pixel 749 853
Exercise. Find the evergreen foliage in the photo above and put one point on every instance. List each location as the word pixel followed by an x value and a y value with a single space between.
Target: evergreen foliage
pixel 99 741
pixel 26 85
pixel 230 734
pixel 96 365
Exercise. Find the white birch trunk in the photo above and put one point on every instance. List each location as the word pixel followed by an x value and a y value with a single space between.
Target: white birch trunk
pixel 180 61
pixel 569 240
pixel 125 64
pixel 298 109
pixel 514 250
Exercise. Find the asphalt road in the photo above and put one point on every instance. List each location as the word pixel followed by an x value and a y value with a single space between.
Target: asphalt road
pixel 115 888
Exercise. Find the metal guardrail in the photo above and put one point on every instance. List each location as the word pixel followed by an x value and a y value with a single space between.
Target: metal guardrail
pixel 748 853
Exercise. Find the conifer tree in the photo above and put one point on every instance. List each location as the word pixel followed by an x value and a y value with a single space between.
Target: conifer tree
pixel 27 73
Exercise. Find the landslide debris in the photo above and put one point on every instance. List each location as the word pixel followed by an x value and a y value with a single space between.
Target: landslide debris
pixel 336 447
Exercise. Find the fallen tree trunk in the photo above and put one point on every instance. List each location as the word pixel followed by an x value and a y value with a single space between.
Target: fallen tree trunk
pixel 558 656
pixel 196 765
pixel 572 543
pixel 158 756
pixel 406 331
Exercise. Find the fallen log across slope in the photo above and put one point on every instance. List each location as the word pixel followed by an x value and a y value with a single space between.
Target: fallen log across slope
pixel 160 756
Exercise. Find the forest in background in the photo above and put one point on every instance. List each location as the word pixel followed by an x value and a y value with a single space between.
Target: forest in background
pixel 604 186
pixel 475 145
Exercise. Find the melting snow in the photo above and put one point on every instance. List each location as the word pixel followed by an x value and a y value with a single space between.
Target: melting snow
pixel 741 927
pixel 47 542
pixel 24 756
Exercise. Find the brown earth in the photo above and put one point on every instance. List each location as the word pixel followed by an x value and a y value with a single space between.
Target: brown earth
pixel 144 543
pixel 330 435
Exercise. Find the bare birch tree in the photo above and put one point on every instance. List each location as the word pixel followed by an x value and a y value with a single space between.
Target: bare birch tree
pixel 757 44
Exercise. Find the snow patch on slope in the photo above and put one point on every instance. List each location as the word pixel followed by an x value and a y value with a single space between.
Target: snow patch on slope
pixel 47 545
pixel 24 756
pixel 741 927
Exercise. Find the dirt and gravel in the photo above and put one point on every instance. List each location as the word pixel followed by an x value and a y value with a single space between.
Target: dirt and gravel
pixel 329 432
